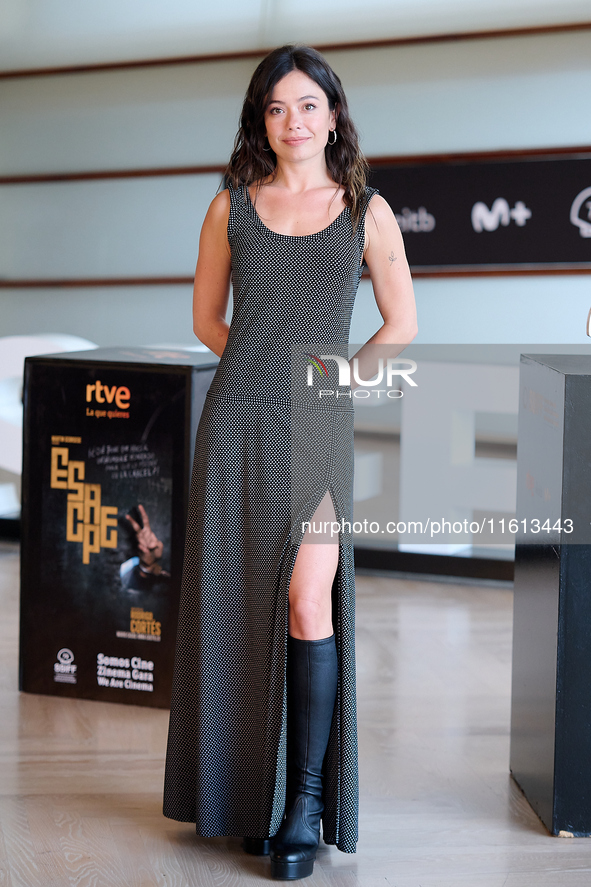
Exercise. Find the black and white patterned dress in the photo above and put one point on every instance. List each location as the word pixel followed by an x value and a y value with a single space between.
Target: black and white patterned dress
pixel 269 445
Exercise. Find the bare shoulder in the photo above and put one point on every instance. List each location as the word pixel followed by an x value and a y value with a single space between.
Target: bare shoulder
pixel 219 208
pixel 381 226
pixel 215 225
pixel 379 213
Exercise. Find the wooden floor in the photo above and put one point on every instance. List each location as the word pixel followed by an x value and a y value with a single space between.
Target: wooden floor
pixel 81 782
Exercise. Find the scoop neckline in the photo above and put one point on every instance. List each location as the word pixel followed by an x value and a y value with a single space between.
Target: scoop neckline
pixel 262 225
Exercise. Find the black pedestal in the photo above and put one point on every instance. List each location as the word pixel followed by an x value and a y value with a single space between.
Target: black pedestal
pixel 551 696
pixel 108 447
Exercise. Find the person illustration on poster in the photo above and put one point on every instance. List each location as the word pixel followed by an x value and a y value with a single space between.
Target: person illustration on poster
pixel 144 573
pixel 262 738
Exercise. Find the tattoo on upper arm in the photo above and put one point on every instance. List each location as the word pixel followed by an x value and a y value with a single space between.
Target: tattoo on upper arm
pixel 392 258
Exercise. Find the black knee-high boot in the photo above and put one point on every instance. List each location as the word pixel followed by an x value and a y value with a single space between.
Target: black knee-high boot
pixel 311 694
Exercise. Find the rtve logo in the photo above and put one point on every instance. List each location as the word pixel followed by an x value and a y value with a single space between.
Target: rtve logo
pixel 485 219
pixel 103 394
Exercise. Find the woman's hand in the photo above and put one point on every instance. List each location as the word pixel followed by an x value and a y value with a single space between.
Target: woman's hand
pixel 212 277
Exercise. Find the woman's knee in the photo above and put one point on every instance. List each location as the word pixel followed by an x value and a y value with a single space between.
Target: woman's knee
pixel 310 616
pixel 310 603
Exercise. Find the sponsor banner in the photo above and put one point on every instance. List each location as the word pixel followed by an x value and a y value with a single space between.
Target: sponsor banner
pixel 507 214
pixel 107 454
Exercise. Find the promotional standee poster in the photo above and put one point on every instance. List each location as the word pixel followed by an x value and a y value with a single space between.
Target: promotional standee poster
pixel 109 439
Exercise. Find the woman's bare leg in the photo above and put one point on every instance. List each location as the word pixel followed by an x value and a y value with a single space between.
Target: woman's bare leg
pixel 310 601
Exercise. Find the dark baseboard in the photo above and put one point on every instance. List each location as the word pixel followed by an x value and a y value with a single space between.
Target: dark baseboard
pixel 10 529
pixel 434 564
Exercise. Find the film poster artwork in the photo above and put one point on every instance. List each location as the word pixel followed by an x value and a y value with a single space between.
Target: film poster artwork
pixel 101 601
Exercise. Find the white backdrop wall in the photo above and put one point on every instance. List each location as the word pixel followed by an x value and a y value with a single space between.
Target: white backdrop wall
pixel 484 94
pixel 37 33
pixel 517 92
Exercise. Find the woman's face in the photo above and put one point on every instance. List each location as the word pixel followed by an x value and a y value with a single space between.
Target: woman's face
pixel 298 118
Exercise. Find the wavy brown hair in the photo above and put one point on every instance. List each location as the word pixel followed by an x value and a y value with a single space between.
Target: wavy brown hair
pixel 250 162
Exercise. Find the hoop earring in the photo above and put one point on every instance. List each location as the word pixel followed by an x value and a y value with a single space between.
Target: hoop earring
pixel 335 137
pixel 267 149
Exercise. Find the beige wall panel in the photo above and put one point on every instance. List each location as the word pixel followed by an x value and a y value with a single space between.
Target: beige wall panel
pixel 113 228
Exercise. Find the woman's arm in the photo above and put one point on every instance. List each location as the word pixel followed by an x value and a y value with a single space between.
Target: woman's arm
pixel 392 286
pixel 212 277
pixel 390 275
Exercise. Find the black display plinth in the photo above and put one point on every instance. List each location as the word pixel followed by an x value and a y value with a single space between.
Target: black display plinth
pixel 108 446
pixel 551 694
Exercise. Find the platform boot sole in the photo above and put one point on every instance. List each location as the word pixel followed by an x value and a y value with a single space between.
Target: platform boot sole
pixel 291 871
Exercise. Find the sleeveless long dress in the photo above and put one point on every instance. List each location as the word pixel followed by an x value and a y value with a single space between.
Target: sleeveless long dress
pixel 276 433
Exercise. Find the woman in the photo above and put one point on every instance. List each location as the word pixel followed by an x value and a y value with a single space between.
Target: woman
pixel 262 740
